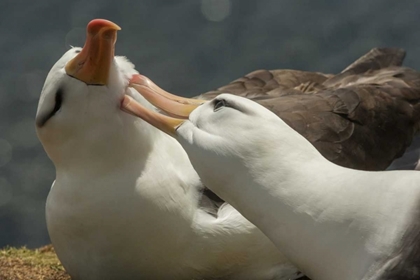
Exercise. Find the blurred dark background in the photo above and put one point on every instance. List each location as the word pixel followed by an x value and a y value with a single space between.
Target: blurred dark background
pixel 187 47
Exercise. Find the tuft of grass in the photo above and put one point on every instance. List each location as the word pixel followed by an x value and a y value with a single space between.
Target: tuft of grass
pixel 38 264
pixel 26 264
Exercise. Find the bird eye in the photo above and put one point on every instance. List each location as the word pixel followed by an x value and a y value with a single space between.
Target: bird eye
pixel 58 101
pixel 218 104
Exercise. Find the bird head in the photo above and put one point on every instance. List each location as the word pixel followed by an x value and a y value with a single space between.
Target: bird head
pixel 79 114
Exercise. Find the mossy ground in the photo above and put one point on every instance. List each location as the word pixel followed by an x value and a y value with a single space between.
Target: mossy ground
pixel 38 264
pixel 26 264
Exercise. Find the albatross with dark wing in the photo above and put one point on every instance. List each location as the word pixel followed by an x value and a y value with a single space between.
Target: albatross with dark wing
pixel 331 222
pixel 127 203
pixel 363 118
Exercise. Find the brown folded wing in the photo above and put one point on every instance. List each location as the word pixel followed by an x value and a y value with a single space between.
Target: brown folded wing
pixel 363 117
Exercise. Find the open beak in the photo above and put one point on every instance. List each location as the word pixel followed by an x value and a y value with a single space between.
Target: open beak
pixel 93 63
pixel 171 104
pixel 162 122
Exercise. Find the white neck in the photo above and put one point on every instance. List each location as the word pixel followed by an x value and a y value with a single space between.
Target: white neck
pixel 220 240
pixel 323 217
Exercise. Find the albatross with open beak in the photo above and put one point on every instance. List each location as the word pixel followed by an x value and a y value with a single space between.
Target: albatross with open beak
pixel 126 201
pixel 331 222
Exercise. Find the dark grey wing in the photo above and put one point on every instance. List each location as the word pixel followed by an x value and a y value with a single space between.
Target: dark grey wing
pixel 262 84
pixel 358 127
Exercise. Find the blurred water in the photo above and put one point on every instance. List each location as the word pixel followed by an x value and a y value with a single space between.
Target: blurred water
pixel 187 47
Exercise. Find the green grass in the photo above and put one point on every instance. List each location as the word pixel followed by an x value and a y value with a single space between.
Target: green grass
pixel 26 264
pixel 38 264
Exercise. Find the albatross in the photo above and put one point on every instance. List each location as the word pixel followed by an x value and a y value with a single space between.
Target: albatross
pixel 330 221
pixel 126 202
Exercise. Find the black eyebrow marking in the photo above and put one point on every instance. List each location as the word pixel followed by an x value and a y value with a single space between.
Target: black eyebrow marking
pixel 219 104
pixel 40 122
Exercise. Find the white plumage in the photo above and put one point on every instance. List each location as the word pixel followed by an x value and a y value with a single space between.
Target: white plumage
pixel 125 202
pixel 331 222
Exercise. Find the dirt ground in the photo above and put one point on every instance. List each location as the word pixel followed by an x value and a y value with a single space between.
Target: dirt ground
pixel 25 264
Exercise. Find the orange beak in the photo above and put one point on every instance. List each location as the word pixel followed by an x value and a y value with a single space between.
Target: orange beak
pixel 173 105
pixel 93 63
pixel 162 122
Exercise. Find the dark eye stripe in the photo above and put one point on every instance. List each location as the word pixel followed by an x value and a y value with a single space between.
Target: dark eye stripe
pixel 58 101
pixel 219 104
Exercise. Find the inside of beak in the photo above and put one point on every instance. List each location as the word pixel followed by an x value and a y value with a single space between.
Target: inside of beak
pixel 171 104
pixel 162 122
pixel 93 63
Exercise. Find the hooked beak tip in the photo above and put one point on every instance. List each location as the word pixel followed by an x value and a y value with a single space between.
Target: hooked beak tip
pixel 94 26
pixel 93 63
